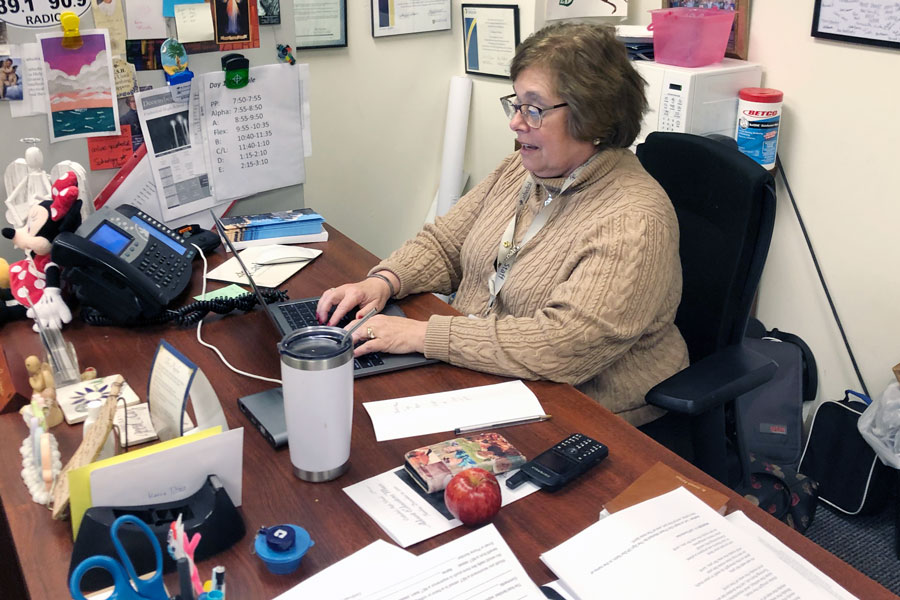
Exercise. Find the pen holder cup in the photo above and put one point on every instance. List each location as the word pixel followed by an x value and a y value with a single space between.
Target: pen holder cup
pixel 282 563
pixel 317 380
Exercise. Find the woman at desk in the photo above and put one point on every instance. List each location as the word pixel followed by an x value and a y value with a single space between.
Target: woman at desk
pixel 565 259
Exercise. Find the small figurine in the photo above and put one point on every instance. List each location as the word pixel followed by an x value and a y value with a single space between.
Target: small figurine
pixel 35 282
pixel 284 53
pixel 26 184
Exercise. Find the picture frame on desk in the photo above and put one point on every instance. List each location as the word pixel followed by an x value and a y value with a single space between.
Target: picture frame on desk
pixel 739 39
pixel 846 22
pixel 323 26
pixel 490 37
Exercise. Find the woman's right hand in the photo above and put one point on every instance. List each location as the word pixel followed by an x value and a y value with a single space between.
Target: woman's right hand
pixel 366 294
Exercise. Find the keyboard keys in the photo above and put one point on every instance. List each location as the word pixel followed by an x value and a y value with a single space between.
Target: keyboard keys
pixel 303 314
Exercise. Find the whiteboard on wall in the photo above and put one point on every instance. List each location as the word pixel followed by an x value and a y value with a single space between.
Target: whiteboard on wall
pixel 875 22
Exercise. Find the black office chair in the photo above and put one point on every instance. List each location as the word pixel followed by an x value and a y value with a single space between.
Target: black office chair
pixel 725 204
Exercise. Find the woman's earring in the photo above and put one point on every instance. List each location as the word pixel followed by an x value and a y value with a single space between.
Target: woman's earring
pixel 596 141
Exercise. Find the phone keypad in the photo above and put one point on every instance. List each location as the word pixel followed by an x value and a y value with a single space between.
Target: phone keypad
pixel 581 448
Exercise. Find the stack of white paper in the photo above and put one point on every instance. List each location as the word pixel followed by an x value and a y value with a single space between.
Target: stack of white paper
pixel 675 546
pixel 477 566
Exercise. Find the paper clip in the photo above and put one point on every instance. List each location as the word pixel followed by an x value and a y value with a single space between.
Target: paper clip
pixel 237 71
pixel 71 39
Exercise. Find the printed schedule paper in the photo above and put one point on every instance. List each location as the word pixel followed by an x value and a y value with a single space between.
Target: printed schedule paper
pixel 254 134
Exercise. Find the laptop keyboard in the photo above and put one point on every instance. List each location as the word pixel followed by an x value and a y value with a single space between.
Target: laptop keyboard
pixel 303 314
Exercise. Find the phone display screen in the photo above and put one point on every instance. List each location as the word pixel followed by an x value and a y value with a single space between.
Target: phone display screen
pixel 160 236
pixel 108 237
pixel 554 462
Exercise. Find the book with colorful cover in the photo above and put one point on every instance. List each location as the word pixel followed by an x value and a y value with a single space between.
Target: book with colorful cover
pixel 432 467
pixel 302 221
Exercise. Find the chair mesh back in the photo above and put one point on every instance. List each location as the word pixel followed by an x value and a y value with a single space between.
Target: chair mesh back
pixel 725 204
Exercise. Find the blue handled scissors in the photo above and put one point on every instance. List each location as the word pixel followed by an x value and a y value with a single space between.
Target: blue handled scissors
pixel 126 583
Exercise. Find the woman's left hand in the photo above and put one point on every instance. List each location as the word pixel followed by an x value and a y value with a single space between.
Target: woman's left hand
pixel 395 335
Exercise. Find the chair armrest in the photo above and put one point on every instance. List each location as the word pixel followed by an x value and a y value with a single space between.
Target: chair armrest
pixel 712 381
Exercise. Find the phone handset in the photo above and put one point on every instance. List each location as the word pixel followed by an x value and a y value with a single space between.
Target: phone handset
pixel 124 263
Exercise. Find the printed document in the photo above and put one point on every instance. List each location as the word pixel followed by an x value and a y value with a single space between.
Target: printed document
pixel 477 566
pixel 179 171
pixel 683 548
pixel 377 561
pixel 253 134
pixel 445 411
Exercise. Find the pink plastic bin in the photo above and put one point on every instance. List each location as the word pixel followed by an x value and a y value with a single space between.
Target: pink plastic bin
pixel 690 37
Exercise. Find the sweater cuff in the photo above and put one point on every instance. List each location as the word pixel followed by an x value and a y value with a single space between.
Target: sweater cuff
pixel 437 337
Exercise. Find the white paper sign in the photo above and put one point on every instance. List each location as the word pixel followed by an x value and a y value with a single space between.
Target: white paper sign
pixel 254 133
pixel 173 474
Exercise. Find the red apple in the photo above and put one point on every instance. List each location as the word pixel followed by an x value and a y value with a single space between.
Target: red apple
pixel 473 496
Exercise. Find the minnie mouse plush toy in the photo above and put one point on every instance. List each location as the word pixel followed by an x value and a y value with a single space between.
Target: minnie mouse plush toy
pixel 34 282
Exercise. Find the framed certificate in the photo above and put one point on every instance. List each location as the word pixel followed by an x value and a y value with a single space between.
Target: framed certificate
pixel 320 24
pixel 396 17
pixel 490 37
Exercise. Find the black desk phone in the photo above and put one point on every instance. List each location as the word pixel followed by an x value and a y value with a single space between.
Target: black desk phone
pixel 562 463
pixel 124 263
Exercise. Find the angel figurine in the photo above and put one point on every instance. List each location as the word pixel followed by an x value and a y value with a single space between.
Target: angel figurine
pixel 27 184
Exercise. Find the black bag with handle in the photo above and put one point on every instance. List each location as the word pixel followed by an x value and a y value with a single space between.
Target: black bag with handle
pixel 851 477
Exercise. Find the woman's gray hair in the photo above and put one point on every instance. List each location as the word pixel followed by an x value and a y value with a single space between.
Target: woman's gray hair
pixel 590 71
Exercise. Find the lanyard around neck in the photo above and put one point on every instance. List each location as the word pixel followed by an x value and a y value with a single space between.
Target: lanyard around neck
pixel 508 250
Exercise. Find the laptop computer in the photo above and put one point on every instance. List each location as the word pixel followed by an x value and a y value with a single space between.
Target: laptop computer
pixel 265 409
pixel 292 315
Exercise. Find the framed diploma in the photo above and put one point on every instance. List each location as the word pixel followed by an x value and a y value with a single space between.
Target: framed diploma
pixel 397 17
pixel 320 24
pixel 490 37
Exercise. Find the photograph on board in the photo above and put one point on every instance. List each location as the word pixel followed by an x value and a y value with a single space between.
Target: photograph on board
pixel 80 86
pixel 10 78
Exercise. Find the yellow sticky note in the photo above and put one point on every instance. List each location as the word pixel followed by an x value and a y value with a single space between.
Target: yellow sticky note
pixel 80 479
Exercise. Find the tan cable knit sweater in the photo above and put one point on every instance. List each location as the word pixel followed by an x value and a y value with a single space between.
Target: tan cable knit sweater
pixel 591 298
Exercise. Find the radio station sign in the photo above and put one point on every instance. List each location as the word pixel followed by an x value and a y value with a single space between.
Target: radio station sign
pixel 39 13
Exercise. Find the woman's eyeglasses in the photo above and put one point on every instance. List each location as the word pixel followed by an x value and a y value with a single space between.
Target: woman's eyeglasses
pixel 533 115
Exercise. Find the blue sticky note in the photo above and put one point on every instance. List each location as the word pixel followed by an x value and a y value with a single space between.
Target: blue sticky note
pixel 169 6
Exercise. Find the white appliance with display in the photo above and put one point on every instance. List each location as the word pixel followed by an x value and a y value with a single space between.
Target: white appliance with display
pixel 699 100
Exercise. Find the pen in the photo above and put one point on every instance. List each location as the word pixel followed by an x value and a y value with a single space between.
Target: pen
pixel 507 423
pixel 184 579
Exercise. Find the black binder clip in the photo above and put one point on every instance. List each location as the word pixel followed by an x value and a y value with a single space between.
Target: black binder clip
pixel 237 71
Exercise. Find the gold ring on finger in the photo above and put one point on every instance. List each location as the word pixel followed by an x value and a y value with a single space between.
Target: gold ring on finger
pixel 370 333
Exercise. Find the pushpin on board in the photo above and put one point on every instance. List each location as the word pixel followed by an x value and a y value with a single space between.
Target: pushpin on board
pixel 237 71
pixel 71 39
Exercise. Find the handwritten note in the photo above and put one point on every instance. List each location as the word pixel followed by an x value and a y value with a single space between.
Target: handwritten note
pixel 144 20
pixel 872 19
pixel 194 22
pixel 110 152
pixel 444 411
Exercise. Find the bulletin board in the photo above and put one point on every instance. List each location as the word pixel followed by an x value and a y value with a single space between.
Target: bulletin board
pixel 14 129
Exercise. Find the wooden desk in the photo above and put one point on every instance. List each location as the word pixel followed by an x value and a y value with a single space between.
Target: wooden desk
pixel 273 495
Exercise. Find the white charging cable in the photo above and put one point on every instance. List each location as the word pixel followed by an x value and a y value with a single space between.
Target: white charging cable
pixel 213 348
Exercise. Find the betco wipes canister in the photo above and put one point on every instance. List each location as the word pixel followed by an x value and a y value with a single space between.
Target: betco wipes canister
pixel 759 115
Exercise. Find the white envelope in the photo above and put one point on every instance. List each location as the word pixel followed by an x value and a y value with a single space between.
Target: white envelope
pixel 173 474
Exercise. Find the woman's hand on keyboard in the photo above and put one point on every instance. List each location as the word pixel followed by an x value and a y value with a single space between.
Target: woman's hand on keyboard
pixel 395 335
pixel 366 294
